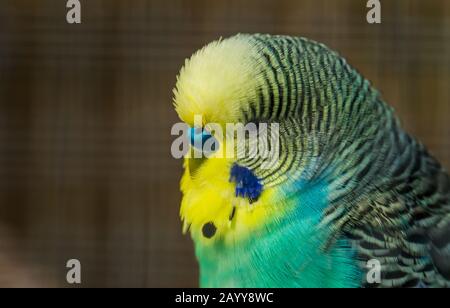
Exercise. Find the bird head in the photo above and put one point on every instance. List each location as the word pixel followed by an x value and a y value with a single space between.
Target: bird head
pixel 300 85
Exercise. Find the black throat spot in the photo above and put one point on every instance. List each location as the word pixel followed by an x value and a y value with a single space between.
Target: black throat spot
pixel 209 230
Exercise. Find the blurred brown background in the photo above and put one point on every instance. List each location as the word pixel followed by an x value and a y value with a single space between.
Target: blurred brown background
pixel 85 118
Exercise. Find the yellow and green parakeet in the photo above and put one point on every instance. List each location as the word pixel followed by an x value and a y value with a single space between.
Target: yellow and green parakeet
pixel 350 185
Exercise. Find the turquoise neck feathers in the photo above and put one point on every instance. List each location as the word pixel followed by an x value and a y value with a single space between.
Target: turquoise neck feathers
pixel 287 252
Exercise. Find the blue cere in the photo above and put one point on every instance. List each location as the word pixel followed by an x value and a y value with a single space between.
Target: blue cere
pixel 247 184
pixel 198 137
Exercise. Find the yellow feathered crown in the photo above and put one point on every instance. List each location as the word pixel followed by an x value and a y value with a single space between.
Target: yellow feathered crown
pixel 217 82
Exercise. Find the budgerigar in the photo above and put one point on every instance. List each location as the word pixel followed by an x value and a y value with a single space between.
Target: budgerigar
pixel 351 187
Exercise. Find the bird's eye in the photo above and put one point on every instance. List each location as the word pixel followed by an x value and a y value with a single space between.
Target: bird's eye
pixel 202 140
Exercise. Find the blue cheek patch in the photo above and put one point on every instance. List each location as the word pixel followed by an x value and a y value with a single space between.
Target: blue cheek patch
pixel 247 184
